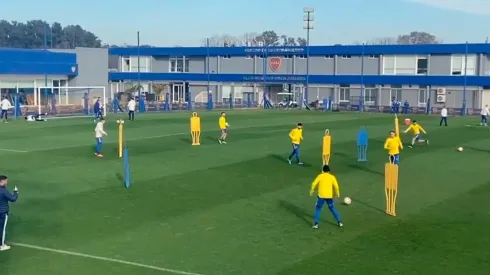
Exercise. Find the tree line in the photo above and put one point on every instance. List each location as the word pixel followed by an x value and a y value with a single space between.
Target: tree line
pixel 38 34
pixel 266 38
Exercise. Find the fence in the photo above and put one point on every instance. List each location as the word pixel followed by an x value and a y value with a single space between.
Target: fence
pixel 225 96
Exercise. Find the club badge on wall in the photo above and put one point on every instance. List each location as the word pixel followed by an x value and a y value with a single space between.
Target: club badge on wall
pixel 73 69
pixel 275 63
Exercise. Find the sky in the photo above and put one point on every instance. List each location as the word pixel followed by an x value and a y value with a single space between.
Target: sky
pixel 188 22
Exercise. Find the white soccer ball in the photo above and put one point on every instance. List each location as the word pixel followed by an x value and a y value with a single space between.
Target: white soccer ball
pixel 347 201
pixel 460 149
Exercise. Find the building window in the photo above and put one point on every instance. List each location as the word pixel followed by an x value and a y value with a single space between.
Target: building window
pixel 346 56
pixel 422 65
pixel 125 64
pixel 248 57
pixel 302 56
pixel 179 65
pixel 344 93
pixel 373 56
pixel 260 56
pixel 389 63
pixel 370 95
pixel 405 65
pixel 330 56
pixel 461 65
pixel 395 93
pixel 144 63
pixel 226 56
pixel 422 101
pixel 288 56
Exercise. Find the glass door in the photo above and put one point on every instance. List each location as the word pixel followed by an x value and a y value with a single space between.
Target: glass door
pixel 178 94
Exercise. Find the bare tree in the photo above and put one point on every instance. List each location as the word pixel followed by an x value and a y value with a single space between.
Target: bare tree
pixel 224 40
pixel 250 38
pixel 406 39
pixel 268 38
pixel 382 41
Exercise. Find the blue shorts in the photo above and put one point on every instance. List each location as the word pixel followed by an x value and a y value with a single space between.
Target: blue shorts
pixel 395 159
pixel 224 131
pixel 417 137
pixel 321 201
pixel 99 140
pixel 295 146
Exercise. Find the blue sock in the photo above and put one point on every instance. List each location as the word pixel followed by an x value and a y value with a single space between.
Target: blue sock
pixel 332 209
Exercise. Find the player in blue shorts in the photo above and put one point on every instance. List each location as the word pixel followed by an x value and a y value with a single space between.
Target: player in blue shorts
pixel 416 129
pixel 393 144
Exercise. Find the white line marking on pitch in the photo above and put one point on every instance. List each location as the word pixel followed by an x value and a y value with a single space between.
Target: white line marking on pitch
pixel 87 256
pixel 13 151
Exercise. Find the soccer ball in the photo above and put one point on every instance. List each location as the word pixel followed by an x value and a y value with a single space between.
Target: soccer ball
pixel 460 149
pixel 347 201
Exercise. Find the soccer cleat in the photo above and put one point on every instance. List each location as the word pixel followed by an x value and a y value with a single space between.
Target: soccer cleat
pixel 224 142
pixel 4 247
pixel 289 161
pixel 427 141
pixel 341 224
pixel 300 163
pixel 315 226
pixel 219 140
pixel 100 155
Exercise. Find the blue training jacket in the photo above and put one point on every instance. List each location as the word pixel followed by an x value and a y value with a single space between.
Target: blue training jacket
pixel 6 198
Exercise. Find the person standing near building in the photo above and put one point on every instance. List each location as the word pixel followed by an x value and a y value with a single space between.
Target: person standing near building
pixel 5 105
pixel 131 108
pixel 484 116
pixel 5 198
pixel 443 116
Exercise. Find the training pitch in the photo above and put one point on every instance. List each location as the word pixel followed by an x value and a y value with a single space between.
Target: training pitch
pixel 240 208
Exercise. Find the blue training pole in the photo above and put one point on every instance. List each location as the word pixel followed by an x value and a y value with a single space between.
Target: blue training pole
pixel 127 180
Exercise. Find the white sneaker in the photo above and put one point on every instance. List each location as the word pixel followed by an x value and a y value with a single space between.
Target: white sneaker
pixel 4 247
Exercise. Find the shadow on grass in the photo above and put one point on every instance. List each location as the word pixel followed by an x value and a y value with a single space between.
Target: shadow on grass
pixel 478 149
pixel 301 213
pixel 211 138
pixel 368 205
pixel 361 167
pixel 285 159
pixel 120 178
pixel 186 140
pixel 341 154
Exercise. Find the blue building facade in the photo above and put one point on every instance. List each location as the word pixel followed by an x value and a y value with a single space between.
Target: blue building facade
pixel 455 75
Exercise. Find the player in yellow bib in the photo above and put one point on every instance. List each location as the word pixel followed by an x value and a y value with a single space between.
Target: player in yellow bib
pixel 393 145
pixel 416 129
pixel 296 136
pixel 223 126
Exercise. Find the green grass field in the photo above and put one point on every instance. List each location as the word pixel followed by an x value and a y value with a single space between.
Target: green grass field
pixel 241 208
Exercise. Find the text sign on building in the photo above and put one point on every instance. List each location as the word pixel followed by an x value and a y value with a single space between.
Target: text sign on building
pixel 275 63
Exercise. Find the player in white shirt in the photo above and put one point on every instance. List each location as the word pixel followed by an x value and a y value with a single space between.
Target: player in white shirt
pixel 37 117
pixel 5 106
pixel 443 116
pixel 99 135
pixel 484 116
pixel 131 108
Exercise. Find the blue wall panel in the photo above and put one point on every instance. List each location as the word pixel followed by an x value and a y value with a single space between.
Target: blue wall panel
pixel 315 79
pixel 314 50
pixel 23 61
